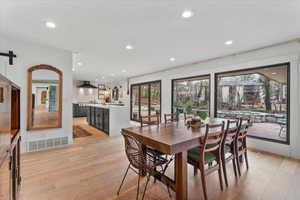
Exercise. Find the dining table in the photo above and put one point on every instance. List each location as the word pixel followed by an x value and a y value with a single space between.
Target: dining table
pixel 174 138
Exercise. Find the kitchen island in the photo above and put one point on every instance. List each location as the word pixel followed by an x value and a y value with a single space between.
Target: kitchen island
pixel 107 118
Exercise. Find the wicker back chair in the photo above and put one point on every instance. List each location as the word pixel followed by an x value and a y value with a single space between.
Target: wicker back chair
pixel 134 151
pixel 140 161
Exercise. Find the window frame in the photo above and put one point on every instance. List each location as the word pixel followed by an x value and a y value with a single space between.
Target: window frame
pixel 288 66
pixel 189 77
pixel 149 97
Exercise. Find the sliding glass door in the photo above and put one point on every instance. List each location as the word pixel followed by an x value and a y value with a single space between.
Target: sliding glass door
pixel 260 94
pixel 145 99
pixel 191 95
pixel 155 98
pixel 135 102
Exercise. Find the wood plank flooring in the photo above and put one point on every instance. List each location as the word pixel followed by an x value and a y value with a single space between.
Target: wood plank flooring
pixel 94 171
pixel 95 133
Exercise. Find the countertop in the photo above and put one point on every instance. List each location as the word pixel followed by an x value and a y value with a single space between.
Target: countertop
pixel 103 106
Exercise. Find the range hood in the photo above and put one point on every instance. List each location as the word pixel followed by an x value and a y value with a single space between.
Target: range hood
pixel 86 84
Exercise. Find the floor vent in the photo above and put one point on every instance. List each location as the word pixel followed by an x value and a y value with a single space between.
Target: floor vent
pixel 47 144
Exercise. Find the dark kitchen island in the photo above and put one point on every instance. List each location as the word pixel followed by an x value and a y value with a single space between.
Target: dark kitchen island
pixel 107 118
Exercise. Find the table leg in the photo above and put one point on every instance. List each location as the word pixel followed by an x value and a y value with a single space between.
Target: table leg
pixel 181 175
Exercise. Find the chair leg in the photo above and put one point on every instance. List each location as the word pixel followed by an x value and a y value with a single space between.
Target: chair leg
pixel 220 173
pixel 203 183
pixel 279 135
pixel 246 159
pixel 234 167
pixel 237 160
pixel 154 169
pixel 123 179
pixel 168 187
pixel 241 158
pixel 195 170
pixel 224 169
pixel 138 187
pixel 167 165
pixel 148 178
pixel 154 181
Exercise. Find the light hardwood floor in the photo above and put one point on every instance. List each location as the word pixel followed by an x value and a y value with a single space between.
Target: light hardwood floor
pixel 94 171
pixel 95 133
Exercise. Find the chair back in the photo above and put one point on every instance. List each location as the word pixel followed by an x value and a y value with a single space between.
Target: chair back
pixel 173 117
pixel 231 131
pixel 213 138
pixel 230 116
pixel 134 151
pixel 243 128
pixel 149 120
pixel 242 133
pixel 188 116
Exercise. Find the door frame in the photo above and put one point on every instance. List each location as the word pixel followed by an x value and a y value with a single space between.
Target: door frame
pixel 149 97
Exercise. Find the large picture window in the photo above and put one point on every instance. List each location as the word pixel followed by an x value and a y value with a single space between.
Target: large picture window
pixel 145 99
pixel 191 95
pixel 260 94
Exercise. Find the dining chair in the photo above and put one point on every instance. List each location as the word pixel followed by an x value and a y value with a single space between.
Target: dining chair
pixel 140 161
pixel 228 147
pixel 155 120
pixel 173 117
pixel 241 143
pixel 188 116
pixel 149 120
pixel 282 123
pixel 209 151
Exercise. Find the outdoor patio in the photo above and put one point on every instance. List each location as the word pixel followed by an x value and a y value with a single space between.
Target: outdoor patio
pixel 268 131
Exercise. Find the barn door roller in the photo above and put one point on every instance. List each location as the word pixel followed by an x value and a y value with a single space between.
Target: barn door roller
pixel 10 55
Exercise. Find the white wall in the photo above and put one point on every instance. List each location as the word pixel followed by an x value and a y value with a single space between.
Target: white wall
pixel 279 54
pixel 28 55
pixel 123 83
pixel 81 95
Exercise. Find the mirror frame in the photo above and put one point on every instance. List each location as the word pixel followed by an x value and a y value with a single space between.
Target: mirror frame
pixel 29 96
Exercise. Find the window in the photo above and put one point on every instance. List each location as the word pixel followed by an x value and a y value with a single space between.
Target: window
pixel 260 94
pixel 191 95
pixel 145 99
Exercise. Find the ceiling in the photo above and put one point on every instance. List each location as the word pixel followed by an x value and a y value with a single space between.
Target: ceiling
pixel 99 30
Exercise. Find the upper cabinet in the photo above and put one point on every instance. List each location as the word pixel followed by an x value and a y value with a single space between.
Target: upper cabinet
pixel 44 97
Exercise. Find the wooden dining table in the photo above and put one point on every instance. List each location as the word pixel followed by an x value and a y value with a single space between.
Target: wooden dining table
pixel 173 139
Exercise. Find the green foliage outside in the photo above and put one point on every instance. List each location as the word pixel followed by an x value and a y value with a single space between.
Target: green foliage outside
pixel 202 115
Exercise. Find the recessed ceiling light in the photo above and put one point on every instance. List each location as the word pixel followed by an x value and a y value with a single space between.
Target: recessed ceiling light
pixel 129 47
pixel 103 77
pixel 229 42
pixel 79 63
pixel 172 59
pixel 187 14
pixel 73 69
pixel 123 70
pixel 50 24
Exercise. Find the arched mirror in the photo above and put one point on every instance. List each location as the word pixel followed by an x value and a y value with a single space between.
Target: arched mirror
pixel 44 97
